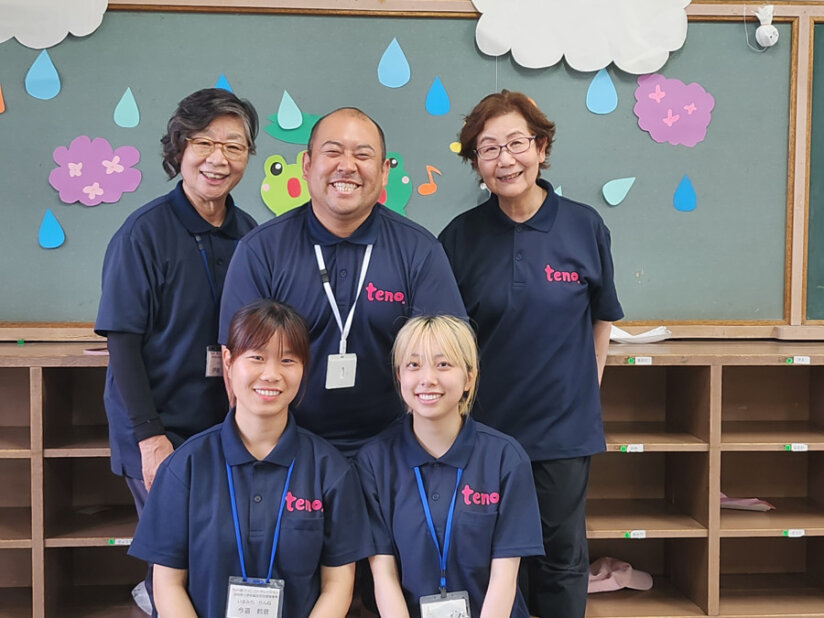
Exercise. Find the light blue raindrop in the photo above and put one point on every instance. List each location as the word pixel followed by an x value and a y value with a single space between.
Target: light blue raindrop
pixel 126 114
pixel 437 101
pixel 222 82
pixel 393 68
pixel 559 191
pixel 289 116
pixel 51 235
pixel 601 95
pixel 42 80
pixel 616 190
pixel 684 198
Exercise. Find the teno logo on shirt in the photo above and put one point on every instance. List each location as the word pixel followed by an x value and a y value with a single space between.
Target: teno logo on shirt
pixel 373 294
pixel 561 275
pixel 302 504
pixel 471 496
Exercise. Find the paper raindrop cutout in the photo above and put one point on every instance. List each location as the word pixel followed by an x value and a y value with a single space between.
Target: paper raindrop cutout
pixel 289 116
pixel 42 80
pixel 393 68
pixel 51 234
pixel 684 198
pixel 601 95
pixel 126 114
pixel 437 101
pixel 222 82
pixel 616 190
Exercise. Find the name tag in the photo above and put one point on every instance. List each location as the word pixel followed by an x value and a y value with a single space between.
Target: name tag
pixel 214 362
pixel 253 598
pixel 450 605
pixel 340 370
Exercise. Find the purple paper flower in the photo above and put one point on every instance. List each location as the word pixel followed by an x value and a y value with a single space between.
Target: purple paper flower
pixel 672 111
pixel 90 171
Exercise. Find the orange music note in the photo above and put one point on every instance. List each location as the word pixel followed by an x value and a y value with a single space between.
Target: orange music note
pixel 428 188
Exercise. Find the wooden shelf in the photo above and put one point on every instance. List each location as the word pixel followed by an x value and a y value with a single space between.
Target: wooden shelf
pixel 652 435
pixel 16 603
pixel 15 443
pixel 99 602
pixel 93 528
pixel 789 513
pixel 614 519
pixel 770 435
pixel 79 441
pixel 15 527
pixel 771 596
pixel 663 600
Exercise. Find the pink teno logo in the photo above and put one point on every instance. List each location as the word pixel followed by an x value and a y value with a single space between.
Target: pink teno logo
pixel 302 504
pixel 373 294
pixel 561 275
pixel 471 496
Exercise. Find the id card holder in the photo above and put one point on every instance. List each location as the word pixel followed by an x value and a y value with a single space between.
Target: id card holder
pixel 254 597
pixel 340 370
pixel 449 605
pixel 214 361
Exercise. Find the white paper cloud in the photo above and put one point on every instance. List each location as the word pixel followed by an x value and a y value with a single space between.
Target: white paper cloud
pixel 44 23
pixel 637 35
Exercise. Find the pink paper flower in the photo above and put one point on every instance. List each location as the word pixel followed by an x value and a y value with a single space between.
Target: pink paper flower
pixel 91 172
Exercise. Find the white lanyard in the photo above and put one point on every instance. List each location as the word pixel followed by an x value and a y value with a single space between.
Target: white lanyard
pixel 324 276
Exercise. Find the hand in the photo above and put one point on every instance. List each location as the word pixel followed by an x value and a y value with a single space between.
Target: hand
pixel 152 453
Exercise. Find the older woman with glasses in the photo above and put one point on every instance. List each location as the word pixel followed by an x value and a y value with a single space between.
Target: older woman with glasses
pixel 536 275
pixel 162 279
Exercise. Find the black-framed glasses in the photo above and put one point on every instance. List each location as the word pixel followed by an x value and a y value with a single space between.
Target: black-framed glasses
pixel 203 147
pixel 516 145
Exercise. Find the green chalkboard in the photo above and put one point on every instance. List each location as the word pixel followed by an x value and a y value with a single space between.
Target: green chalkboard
pixel 723 261
pixel 815 226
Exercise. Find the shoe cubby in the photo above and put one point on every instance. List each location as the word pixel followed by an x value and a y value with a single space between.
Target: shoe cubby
pixel 772 577
pixel 85 504
pixel 85 582
pixel 15 504
pixel 15 413
pixel 15 583
pixel 680 578
pixel 74 419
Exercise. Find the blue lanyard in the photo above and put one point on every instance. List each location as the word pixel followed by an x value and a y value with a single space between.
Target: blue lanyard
pixel 237 524
pixel 209 277
pixel 442 555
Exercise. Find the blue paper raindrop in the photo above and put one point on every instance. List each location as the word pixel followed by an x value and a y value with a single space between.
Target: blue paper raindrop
pixel 51 235
pixel 437 101
pixel 601 95
pixel 684 198
pixel 289 116
pixel 393 68
pixel 42 80
pixel 616 190
pixel 126 114
pixel 222 82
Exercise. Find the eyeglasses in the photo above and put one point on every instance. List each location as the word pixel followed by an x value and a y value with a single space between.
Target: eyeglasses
pixel 516 145
pixel 203 147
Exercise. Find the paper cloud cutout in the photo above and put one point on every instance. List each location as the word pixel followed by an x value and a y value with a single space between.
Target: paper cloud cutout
pixel 43 23
pixel 637 35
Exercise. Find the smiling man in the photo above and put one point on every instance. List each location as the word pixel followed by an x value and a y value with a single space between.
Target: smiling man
pixel 319 258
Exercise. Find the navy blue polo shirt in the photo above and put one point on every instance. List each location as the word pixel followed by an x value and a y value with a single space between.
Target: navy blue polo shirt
pixel 496 511
pixel 532 291
pixel 155 285
pixel 187 521
pixel 408 275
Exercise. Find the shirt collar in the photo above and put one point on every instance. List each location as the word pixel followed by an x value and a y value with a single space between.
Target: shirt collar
pixel 235 451
pixel 542 220
pixel 366 233
pixel 194 223
pixel 457 456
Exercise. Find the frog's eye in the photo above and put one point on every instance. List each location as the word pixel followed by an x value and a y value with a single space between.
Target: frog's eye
pixel 276 168
pixel 393 162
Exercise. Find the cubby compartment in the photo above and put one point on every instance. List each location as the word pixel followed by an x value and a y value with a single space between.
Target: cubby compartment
pixel 656 408
pixel 15 583
pixel 74 420
pixel 649 494
pixel 792 482
pixel 85 504
pixel 15 504
pixel 85 582
pixel 772 408
pixel 680 578
pixel 772 577
pixel 15 412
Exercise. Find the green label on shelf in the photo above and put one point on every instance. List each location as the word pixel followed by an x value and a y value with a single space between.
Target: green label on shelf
pixel 119 542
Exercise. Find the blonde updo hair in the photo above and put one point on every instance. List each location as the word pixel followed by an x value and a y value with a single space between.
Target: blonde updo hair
pixel 452 337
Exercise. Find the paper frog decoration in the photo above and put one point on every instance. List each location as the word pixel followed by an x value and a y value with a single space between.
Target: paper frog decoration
pixel 283 187
pixel 398 188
